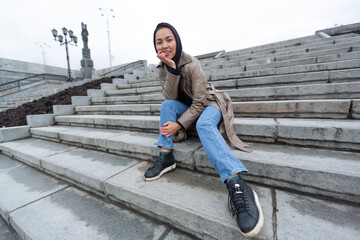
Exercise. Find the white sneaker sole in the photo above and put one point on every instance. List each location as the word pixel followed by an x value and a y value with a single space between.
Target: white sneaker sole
pixel 259 224
pixel 165 170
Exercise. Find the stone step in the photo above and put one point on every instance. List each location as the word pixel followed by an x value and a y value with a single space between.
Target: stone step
pixel 338 54
pixel 66 212
pixel 239 60
pixel 336 76
pixel 292 43
pixel 305 61
pixel 39 206
pixel 238 72
pixel 353 42
pixel 133 91
pixel 349 90
pixel 313 91
pixel 285 166
pixel 324 133
pixel 328 108
pixel 138 85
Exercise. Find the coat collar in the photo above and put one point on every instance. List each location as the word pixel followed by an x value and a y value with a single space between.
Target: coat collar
pixel 184 59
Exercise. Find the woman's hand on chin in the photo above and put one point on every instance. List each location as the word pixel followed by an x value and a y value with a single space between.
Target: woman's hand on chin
pixel 162 56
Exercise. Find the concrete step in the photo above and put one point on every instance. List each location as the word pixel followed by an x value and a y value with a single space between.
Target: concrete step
pixel 60 209
pixel 133 91
pixel 313 91
pixel 299 53
pixel 288 44
pixel 138 85
pixel 334 76
pixel 349 90
pixel 305 61
pixel 338 54
pixel 328 108
pixel 324 133
pixel 337 76
pixel 239 72
pixel 313 47
pixel 39 206
pixel 282 163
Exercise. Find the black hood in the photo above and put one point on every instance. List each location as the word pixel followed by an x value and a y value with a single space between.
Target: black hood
pixel 177 56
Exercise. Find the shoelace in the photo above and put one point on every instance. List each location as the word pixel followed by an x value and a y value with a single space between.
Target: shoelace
pixel 236 200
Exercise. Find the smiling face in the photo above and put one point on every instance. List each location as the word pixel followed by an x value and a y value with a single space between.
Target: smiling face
pixel 165 42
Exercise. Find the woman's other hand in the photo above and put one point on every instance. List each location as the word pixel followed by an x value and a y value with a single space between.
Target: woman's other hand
pixel 169 128
pixel 162 56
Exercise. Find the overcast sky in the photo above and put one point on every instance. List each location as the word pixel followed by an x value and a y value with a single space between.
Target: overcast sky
pixel 203 25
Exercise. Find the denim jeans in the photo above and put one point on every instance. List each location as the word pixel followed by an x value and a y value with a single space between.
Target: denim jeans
pixel 216 149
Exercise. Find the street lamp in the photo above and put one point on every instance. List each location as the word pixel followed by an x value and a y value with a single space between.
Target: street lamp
pixel 43 45
pixel 106 14
pixel 60 38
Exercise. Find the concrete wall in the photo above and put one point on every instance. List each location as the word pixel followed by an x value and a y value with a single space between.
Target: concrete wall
pixel 11 70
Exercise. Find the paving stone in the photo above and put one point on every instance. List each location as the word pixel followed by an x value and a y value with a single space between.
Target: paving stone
pixel 32 150
pixel 312 218
pixel 87 167
pixel 23 185
pixel 73 214
pixel 171 198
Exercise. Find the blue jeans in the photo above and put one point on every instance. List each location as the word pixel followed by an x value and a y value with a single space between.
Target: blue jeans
pixel 216 149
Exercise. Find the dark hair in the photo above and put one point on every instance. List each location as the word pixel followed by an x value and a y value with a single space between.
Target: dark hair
pixel 177 39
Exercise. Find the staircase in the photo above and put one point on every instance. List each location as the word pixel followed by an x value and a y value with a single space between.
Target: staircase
pixel 79 174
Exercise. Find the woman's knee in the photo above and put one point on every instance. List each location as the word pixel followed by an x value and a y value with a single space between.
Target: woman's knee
pixel 203 125
pixel 167 104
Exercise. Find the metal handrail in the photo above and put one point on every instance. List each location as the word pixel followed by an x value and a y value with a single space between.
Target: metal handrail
pixel 32 79
pixel 124 67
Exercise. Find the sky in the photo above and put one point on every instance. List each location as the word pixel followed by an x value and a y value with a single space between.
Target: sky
pixel 204 26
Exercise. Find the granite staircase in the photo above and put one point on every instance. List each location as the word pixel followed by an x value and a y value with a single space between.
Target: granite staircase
pixel 79 172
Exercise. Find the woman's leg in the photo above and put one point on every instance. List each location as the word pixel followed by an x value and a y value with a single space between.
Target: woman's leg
pixel 244 202
pixel 171 110
pixel 216 149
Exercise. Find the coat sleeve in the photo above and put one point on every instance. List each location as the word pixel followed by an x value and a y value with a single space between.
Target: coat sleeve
pixel 198 85
pixel 170 82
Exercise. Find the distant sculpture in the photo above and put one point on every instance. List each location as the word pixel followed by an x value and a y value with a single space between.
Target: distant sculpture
pixel 87 64
pixel 84 35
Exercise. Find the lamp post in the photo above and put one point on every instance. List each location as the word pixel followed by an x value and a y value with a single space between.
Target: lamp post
pixel 106 14
pixel 43 45
pixel 60 38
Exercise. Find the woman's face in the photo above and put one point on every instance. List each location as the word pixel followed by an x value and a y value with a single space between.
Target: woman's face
pixel 165 42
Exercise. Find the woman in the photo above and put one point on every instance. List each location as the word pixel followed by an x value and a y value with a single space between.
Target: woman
pixel 190 99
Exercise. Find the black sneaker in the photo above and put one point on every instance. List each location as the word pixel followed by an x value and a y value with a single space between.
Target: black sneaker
pixel 244 203
pixel 162 164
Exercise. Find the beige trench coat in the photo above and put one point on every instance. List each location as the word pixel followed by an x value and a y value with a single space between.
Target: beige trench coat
pixel 203 94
